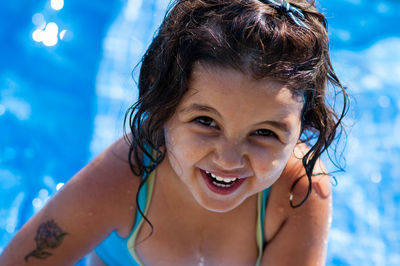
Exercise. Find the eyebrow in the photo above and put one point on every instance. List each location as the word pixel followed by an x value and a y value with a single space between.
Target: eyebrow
pixel 198 107
pixel 204 108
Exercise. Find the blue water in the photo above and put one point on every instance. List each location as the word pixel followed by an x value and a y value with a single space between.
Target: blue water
pixel 62 103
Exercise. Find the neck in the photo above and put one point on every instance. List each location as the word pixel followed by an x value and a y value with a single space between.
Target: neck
pixel 174 192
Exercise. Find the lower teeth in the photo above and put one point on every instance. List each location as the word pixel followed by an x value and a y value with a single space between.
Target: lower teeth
pixel 221 185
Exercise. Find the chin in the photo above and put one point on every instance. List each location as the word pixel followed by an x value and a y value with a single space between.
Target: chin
pixel 220 209
pixel 218 205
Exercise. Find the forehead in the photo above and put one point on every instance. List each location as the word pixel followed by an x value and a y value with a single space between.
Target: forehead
pixel 227 87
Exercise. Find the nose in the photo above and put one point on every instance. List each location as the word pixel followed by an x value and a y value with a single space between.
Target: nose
pixel 229 156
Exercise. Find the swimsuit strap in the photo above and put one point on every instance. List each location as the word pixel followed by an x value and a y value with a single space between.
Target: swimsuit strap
pixel 265 195
pixel 147 191
pixel 261 205
pixel 145 195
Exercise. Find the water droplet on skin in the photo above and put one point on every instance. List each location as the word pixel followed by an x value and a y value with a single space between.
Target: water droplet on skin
pixel 201 262
pixel 131 208
pixel 129 192
pixel 90 213
pixel 275 163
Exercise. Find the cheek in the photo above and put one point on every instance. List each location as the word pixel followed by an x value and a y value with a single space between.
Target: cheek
pixel 272 169
pixel 183 145
pixel 271 164
pixel 274 164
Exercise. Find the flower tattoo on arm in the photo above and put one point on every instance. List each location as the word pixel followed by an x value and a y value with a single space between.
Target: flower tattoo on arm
pixel 49 236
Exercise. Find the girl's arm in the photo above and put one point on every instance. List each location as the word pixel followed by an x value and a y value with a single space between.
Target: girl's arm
pixel 79 216
pixel 298 236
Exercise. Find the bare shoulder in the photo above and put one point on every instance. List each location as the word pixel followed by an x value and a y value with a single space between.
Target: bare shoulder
pixel 110 172
pixel 109 182
pixel 98 199
pixel 298 234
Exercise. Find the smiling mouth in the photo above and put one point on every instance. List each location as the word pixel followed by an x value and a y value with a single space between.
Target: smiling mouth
pixel 221 181
pixel 221 185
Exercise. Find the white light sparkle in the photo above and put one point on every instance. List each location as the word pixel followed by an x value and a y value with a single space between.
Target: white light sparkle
pixel 37 35
pixel 57 4
pixel 62 34
pixel 50 34
pixel 59 186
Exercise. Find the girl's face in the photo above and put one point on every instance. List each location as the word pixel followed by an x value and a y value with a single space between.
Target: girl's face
pixel 231 136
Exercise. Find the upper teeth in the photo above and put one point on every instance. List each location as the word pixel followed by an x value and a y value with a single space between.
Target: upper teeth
pixel 222 179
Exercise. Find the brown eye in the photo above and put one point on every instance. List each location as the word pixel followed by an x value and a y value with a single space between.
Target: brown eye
pixel 265 133
pixel 205 121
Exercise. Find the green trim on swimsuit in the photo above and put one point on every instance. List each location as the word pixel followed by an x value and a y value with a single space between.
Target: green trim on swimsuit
pixel 131 243
pixel 259 231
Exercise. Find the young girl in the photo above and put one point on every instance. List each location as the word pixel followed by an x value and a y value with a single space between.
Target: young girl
pixel 216 169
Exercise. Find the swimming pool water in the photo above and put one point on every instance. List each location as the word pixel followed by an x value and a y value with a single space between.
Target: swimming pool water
pixel 64 92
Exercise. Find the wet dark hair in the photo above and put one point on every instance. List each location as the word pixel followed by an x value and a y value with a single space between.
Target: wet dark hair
pixel 246 35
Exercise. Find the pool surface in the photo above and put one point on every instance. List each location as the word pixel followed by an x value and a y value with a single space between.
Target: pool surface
pixel 66 81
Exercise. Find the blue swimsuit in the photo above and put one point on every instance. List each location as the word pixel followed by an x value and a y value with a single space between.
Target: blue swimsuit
pixel 116 250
